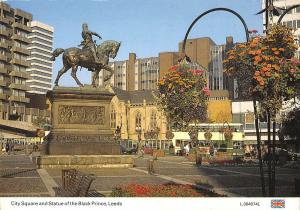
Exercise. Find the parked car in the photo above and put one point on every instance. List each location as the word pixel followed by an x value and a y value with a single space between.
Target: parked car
pixel 128 151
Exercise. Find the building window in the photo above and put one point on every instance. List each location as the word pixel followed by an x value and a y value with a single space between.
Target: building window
pixel 153 123
pixel 138 120
pixel 113 117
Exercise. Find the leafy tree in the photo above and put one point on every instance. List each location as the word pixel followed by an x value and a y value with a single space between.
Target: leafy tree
pixel 291 125
pixel 40 121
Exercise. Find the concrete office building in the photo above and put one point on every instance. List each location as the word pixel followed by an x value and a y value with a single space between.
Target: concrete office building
pixel 14 30
pixel 41 67
pixel 133 74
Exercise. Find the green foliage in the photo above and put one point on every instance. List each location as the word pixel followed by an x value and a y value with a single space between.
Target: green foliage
pixel 291 124
pixel 266 69
pixel 40 121
pixel 183 95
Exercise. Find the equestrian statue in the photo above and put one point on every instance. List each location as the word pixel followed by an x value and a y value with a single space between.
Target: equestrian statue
pixel 92 56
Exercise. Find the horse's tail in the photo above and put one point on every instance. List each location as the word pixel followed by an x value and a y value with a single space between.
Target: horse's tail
pixel 56 53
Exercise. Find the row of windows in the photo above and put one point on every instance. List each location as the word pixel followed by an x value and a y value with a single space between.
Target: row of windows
pixel 2 26
pixel 42 35
pixel 40 46
pixel 3 39
pixel 40 73
pixel 21 44
pixel 40 56
pixel 35 50
pixel 2 51
pixel 41 79
pixel 39 89
pixel 21 33
pixel 42 68
pixel 18 80
pixel 292 23
pixel 20 56
pixel 42 41
pixel 19 68
pixel 20 93
pixel 39 62
pixel 39 84
pixel 42 30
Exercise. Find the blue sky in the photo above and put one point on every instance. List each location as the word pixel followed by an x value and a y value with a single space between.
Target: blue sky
pixel 145 27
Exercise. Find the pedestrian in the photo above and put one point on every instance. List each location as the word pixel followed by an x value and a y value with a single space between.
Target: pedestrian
pixel 12 147
pixel 141 155
pixel 7 147
pixel 187 149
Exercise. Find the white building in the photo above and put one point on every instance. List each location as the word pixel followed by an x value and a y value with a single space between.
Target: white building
pixel 40 65
pixel 291 19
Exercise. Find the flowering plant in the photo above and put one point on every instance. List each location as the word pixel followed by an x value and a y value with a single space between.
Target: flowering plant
pixel 169 135
pixel 228 134
pixel 266 68
pixel 208 135
pixel 166 190
pixel 183 94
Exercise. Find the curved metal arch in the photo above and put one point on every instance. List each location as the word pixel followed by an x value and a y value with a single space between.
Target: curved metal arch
pixel 213 10
pixel 286 11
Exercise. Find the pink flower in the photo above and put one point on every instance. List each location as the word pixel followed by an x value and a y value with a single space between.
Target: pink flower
pixel 198 71
pixel 206 91
pixel 295 61
pixel 173 68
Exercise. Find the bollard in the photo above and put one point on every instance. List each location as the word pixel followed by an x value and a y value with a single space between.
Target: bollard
pixel 198 159
pixel 150 166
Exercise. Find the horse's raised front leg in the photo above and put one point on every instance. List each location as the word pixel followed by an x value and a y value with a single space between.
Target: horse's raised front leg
pixel 73 74
pixel 95 76
pixel 60 73
pixel 110 70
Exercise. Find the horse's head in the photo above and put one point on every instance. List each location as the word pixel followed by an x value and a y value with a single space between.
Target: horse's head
pixel 109 48
pixel 115 50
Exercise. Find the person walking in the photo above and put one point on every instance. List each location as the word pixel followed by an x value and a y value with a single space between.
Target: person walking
pixel 187 149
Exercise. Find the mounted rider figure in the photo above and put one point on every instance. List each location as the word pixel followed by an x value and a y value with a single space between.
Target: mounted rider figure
pixel 88 42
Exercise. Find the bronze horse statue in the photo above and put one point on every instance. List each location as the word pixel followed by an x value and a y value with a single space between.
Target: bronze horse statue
pixel 74 57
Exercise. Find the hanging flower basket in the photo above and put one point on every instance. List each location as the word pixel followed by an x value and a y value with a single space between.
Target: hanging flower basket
pixel 208 135
pixel 182 95
pixel 228 134
pixel 193 133
pixel 169 135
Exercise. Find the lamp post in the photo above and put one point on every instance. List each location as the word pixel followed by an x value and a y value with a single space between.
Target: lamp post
pixel 118 133
pixel 254 99
pixel 138 130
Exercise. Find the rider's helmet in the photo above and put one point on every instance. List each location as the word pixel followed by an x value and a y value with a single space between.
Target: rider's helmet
pixel 85 26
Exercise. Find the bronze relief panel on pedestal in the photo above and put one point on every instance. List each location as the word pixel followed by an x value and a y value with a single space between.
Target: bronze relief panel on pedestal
pixel 91 115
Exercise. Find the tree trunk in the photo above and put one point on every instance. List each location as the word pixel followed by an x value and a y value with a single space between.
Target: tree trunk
pixel 274 158
pixel 269 153
pixel 262 178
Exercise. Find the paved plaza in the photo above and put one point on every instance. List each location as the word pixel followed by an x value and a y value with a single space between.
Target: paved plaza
pixel 19 177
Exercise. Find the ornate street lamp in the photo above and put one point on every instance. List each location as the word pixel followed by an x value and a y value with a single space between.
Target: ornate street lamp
pixel 254 99
pixel 118 133
pixel 138 130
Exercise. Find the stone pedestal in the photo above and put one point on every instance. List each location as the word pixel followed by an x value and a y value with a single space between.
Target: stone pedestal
pixel 80 119
pixel 84 161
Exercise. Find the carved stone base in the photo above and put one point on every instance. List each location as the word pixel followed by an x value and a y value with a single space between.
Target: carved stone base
pixel 80 145
pixel 84 161
pixel 80 119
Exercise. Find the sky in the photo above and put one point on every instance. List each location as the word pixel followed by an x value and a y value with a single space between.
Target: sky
pixel 145 27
